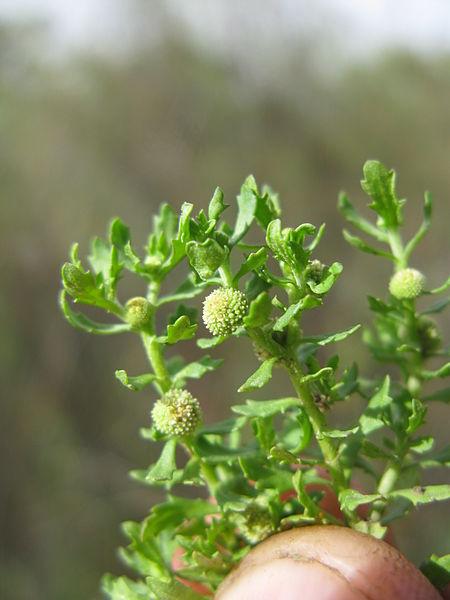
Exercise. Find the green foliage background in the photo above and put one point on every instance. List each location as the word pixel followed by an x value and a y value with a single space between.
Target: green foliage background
pixel 87 138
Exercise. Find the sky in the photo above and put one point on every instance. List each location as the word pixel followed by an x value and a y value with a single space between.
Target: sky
pixel 364 25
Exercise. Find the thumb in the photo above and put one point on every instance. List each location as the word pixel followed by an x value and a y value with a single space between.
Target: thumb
pixel 325 563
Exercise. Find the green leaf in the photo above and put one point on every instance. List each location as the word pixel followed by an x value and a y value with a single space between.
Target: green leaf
pixel 259 311
pixel 379 184
pixel 224 427
pixel 313 245
pixel 260 377
pixel 436 307
pixel 311 508
pixel 423 495
pixel 305 303
pixel 82 322
pixel 338 433
pixel 427 211
pixel 422 444
pixel 136 383
pixel 216 205
pixel 218 453
pixel 437 570
pixel 439 396
pixel 417 416
pixel 196 369
pixel 120 588
pixel 277 243
pixel 331 338
pixel 168 515
pixel 372 418
pixel 252 262
pixel 265 408
pixel 180 330
pixel 247 201
pixel 172 591
pixel 267 207
pixel 444 371
pixel 329 276
pixel 210 342
pixel 119 234
pixel 188 289
pixel 322 373
pixel 100 257
pixel 441 288
pixel 351 499
pixel 378 306
pixel 360 244
pixel 206 257
pixel 165 467
pixel 439 459
pixel 352 216
pixel 264 432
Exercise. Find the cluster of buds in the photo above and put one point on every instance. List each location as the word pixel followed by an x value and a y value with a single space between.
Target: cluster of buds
pixel 314 270
pixel 177 413
pixel 224 310
pixel 255 523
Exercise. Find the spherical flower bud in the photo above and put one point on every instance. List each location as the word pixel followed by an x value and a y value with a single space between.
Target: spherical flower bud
pixel 224 310
pixel 255 524
pixel 407 284
pixel 153 264
pixel 138 312
pixel 177 413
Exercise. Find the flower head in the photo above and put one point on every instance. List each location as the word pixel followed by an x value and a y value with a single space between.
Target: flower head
pixel 314 270
pixel 138 311
pixel 407 284
pixel 224 310
pixel 177 413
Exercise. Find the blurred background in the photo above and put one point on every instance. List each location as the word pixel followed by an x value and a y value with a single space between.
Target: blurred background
pixel 108 108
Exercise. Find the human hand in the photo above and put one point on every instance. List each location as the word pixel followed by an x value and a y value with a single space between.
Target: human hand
pixel 326 563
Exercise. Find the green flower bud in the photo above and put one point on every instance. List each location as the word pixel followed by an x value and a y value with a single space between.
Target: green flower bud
pixel 314 270
pixel 224 310
pixel 429 336
pixel 153 264
pixel 138 312
pixel 407 284
pixel 177 413
pixel 255 524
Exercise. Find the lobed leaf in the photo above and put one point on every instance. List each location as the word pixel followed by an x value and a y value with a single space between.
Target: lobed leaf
pixel 82 322
pixel 260 377
pixel 331 338
pixel 423 495
pixel 165 467
pixel 216 205
pixel 196 369
pixel 379 184
pixel 136 383
pixel 265 408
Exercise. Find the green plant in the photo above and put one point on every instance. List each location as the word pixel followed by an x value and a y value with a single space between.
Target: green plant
pixel 260 468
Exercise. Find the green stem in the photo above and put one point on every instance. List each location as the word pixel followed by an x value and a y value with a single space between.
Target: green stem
pixel 226 274
pixel 208 472
pixel 319 425
pixel 396 244
pixel 154 354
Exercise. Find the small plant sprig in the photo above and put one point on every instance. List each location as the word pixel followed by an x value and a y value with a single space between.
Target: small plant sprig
pixel 260 468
